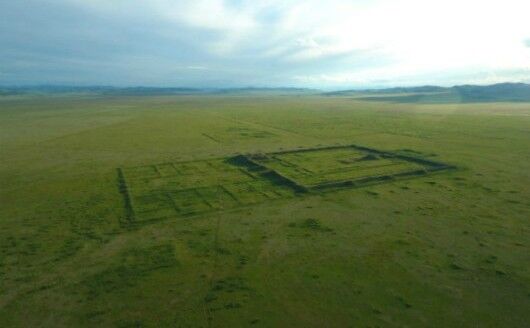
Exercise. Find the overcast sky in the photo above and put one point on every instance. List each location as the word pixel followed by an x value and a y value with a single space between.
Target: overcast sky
pixel 233 43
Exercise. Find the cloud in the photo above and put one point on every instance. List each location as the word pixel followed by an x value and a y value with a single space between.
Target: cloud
pixel 197 68
pixel 268 42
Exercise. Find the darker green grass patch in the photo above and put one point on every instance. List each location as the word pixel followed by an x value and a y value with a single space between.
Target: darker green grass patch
pixel 134 265
pixel 310 224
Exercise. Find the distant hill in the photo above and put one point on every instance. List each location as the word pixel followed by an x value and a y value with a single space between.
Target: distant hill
pixel 419 89
pixel 502 91
pixel 148 91
pixel 508 92
pixel 516 92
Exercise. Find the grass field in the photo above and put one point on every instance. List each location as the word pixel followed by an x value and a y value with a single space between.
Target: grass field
pixel 447 249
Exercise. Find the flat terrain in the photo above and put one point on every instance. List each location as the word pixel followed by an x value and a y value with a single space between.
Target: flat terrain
pixel 215 245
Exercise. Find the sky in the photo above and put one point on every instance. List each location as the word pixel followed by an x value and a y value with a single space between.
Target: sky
pixel 327 44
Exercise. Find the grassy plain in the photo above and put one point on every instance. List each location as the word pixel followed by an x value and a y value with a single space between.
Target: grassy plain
pixel 444 250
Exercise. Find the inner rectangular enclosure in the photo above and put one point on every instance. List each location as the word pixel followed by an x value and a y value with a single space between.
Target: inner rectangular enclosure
pixel 326 167
pixel 158 191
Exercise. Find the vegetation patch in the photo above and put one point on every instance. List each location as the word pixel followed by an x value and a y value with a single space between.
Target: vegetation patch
pixel 311 224
pixel 244 132
pixel 134 265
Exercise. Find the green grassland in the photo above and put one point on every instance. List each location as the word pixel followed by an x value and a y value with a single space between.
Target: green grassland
pixel 447 249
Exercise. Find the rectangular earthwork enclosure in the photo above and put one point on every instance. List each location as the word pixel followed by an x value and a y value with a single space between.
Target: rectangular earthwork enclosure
pixel 343 166
pixel 160 191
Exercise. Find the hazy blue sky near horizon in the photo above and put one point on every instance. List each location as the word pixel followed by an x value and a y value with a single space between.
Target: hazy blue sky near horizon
pixel 273 43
